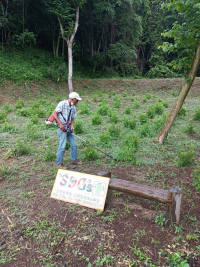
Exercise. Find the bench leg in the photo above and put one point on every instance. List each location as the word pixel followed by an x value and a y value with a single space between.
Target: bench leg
pixel 174 208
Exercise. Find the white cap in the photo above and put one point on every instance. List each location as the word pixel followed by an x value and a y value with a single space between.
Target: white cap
pixel 74 95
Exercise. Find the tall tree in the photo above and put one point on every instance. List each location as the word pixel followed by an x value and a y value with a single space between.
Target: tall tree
pixel 186 43
pixel 65 12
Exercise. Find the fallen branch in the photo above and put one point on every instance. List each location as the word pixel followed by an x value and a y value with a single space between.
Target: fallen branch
pixel 56 249
pixel 7 217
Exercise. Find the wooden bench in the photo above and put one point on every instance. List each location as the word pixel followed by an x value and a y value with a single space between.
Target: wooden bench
pixel 171 197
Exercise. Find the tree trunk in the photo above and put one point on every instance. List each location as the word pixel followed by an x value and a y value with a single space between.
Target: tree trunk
pixel 178 104
pixel 70 44
pixel 70 68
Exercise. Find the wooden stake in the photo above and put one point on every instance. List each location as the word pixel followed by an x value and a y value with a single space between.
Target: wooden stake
pixel 174 208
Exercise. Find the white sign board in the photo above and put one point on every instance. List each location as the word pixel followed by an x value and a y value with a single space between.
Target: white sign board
pixel 81 188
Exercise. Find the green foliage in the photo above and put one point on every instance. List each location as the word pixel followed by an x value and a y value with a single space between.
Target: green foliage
pixel 117 102
pixel 196 115
pixel 111 217
pixel 32 132
pixel 114 131
pixel 196 180
pixel 158 123
pixel 189 129
pixel 151 111
pixel 78 125
pixel 104 137
pixel 90 153
pixel 160 219
pixel 3 115
pixel 182 112
pixel 7 127
pixel 177 260
pixel 185 157
pixel 127 110
pixel 132 141
pixel 6 107
pixel 159 108
pixel 49 151
pixel 130 123
pixel 107 259
pixel 183 34
pixel 21 148
pixel 113 116
pixel 127 151
pixel 144 130
pixel 143 118
pixel 96 119
pixel 136 104
pixel 103 109
pixel 24 39
pixel 20 104
pixel 35 119
pixel 84 108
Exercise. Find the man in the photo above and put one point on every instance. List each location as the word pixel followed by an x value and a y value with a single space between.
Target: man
pixel 64 114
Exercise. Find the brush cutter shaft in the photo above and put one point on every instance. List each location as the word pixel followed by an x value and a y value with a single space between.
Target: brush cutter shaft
pixel 91 145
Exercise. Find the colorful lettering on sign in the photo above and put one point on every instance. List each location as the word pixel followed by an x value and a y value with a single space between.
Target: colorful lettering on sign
pixel 89 188
pixel 81 184
pixel 64 180
pixel 72 182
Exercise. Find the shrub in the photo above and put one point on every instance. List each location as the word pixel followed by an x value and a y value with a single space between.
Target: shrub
pixel 96 119
pixel 21 148
pixel 90 153
pixel 102 109
pixel 114 130
pixel 32 131
pixel 189 129
pixel 117 102
pixel 130 123
pixel 159 109
pixel 95 98
pixel 165 104
pixel 113 116
pixel 151 111
pixel 25 112
pixel 196 115
pixel 3 115
pixel 78 125
pixel 136 104
pixel 34 119
pixel 182 112
pixel 6 107
pixel 84 108
pixel 185 157
pixel 127 110
pixel 158 123
pixel 143 118
pixel 144 130
pixel 125 94
pixel 104 137
pixel 19 104
pixel 49 154
pixel 126 153
pixel 132 141
pixel 10 128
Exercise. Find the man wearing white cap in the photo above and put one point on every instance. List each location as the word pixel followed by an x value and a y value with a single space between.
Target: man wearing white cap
pixel 64 114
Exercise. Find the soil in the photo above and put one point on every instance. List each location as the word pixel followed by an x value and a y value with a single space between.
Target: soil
pixel 126 237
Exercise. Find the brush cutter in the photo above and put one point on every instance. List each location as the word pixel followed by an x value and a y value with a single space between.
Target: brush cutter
pixel 91 145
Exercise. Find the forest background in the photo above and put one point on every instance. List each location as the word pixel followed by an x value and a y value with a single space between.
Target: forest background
pixel 114 39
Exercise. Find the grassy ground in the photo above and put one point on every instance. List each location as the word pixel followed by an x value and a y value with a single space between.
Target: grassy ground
pixel 120 117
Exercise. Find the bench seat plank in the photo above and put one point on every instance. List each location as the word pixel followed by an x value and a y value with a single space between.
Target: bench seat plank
pixel 139 190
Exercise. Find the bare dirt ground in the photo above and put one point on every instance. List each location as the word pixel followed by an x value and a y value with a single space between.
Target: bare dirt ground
pixel 125 234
